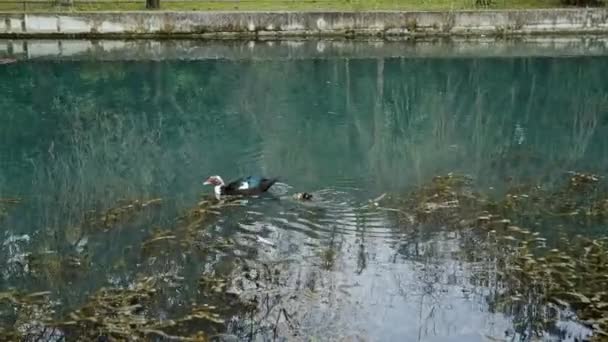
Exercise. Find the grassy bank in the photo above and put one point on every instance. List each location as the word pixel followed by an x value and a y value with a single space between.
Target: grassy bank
pixel 278 5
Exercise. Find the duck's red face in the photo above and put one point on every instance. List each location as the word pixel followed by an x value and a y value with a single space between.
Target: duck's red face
pixel 213 180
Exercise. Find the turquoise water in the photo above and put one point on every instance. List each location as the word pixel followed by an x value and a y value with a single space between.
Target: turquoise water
pixel 82 136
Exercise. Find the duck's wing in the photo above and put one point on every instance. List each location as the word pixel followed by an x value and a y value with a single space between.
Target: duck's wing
pixel 250 184
pixel 235 185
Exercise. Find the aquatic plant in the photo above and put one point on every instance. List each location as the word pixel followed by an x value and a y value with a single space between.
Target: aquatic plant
pixel 124 314
pixel 533 283
pixel 6 204
pixel 112 216
pixel 536 279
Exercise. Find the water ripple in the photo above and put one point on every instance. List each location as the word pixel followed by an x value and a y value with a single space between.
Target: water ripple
pixel 331 212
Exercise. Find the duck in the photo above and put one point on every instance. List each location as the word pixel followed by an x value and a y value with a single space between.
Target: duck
pixel 244 186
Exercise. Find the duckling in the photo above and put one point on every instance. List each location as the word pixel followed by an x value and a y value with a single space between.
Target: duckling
pixel 303 196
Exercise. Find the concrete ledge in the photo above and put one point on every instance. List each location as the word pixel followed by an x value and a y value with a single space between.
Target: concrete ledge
pixel 530 46
pixel 153 24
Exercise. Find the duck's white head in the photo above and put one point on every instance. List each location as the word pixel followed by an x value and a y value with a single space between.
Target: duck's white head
pixel 214 180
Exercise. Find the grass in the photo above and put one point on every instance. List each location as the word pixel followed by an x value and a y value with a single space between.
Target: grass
pixel 280 5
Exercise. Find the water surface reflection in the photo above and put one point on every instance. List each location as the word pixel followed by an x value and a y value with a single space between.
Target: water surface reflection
pixel 78 138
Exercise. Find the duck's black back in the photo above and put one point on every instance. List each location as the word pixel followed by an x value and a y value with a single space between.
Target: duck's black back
pixel 257 185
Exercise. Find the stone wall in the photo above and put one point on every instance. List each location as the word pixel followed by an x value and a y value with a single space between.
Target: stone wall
pixel 272 24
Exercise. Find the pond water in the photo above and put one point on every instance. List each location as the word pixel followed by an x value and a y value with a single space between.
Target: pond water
pixel 80 137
